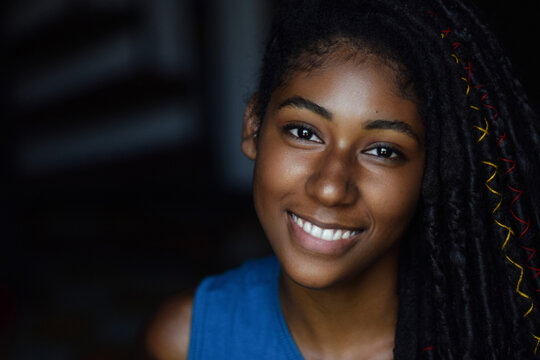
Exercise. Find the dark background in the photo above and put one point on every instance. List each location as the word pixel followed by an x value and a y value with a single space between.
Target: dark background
pixel 122 180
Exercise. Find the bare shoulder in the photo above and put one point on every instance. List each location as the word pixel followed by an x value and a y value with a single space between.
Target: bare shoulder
pixel 168 335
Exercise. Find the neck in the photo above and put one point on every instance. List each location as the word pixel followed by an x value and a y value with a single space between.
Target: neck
pixel 355 317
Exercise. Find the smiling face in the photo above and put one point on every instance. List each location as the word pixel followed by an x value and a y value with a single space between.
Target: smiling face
pixel 338 168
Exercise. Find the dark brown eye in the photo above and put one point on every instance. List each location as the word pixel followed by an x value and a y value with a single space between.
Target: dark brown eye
pixel 303 133
pixel 385 152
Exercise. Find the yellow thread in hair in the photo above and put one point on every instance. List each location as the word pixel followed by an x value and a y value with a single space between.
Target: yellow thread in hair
pixel 518 285
pixel 510 233
pixel 485 131
pixel 468 85
pixel 509 229
pixel 537 338
pixel 489 187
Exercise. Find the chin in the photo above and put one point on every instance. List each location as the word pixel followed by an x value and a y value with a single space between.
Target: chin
pixel 315 273
pixel 319 272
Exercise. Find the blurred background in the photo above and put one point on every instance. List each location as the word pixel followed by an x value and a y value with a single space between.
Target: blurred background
pixel 122 180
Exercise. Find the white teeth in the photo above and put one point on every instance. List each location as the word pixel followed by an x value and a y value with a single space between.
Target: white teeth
pixel 324 234
pixel 316 231
pixel 327 234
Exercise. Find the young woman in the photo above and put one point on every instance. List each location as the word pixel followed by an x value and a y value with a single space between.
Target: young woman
pixel 395 168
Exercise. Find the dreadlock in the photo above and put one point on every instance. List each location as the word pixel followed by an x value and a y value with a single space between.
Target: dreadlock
pixel 468 281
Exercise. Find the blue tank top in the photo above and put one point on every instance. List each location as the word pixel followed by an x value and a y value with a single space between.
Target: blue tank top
pixel 237 315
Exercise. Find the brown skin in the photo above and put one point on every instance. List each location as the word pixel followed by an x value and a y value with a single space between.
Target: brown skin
pixel 348 171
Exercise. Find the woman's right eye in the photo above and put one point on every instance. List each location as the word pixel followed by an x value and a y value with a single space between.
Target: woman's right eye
pixel 303 133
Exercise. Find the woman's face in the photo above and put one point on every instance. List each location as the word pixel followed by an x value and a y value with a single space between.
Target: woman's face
pixel 338 171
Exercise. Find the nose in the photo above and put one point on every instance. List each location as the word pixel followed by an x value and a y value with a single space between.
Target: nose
pixel 332 182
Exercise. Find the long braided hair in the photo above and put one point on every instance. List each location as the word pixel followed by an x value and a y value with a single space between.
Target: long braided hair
pixel 468 283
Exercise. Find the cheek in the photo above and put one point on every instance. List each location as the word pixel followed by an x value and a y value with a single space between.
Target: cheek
pixel 278 171
pixel 273 176
pixel 393 198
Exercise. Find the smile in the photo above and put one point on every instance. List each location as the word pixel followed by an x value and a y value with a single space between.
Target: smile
pixel 326 234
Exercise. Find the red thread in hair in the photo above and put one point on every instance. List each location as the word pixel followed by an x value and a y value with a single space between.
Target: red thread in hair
pixel 428 348
pixel 445 33
pixel 469 71
pixel 494 109
pixel 513 165
pixel 519 192
pixel 501 138
pixel 455 45
pixel 533 251
pixel 430 13
pixel 534 269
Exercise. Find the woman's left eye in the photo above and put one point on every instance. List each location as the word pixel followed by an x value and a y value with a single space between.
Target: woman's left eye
pixel 385 152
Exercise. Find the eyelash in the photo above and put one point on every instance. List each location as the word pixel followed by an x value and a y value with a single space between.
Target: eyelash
pixel 294 130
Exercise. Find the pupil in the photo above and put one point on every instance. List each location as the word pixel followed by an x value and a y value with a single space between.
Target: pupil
pixel 384 152
pixel 305 133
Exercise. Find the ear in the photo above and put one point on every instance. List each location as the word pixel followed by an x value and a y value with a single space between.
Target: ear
pixel 250 129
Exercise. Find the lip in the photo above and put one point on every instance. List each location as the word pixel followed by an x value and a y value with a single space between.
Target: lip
pixel 315 245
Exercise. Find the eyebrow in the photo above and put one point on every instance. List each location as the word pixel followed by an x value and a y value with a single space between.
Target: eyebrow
pixel 302 103
pixel 396 125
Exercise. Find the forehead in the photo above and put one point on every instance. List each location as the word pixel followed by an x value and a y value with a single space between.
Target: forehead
pixel 350 94
pixel 343 81
pixel 321 55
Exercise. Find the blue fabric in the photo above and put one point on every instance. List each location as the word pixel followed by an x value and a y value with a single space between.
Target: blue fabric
pixel 237 315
